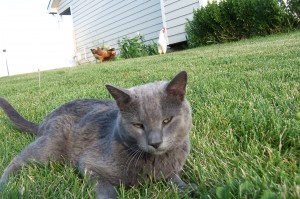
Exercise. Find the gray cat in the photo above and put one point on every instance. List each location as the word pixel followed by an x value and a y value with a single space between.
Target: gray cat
pixel 142 134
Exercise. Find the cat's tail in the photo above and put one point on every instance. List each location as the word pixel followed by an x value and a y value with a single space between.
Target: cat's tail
pixel 17 119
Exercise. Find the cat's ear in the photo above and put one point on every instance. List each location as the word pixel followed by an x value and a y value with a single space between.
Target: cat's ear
pixel 177 86
pixel 120 95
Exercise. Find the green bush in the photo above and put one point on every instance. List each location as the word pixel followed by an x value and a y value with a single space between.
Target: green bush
pixel 294 8
pixel 136 47
pixel 232 20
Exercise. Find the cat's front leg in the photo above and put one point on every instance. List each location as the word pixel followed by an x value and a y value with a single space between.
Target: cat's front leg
pixel 105 190
pixel 175 179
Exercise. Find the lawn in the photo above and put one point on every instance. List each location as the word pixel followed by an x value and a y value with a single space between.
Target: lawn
pixel 245 138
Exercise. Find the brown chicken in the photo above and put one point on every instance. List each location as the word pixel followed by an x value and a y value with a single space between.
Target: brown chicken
pixel 104 55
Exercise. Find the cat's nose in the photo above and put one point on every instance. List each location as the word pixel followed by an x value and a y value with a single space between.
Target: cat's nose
pixel 155 139
pixel 155 145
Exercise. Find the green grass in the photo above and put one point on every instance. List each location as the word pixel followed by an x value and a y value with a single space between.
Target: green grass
pixel 245 139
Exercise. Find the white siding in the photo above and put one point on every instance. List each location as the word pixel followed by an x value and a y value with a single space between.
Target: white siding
pixel 64 5
pixel 176 13
pixel 107 21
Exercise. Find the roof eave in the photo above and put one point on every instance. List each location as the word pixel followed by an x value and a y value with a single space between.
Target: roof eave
pixel 53 6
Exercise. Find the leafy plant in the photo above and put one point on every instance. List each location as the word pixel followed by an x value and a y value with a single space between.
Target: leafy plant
pixel 136 47
pixel 294 8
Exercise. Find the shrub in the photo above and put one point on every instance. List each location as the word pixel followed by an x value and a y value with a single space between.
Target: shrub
pixel 231 20
pixel 136 47
pixel 294 8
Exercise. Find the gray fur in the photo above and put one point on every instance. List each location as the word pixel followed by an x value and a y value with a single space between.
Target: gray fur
pixel 142 134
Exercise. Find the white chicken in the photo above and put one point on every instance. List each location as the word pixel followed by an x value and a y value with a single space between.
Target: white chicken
pixel 162 42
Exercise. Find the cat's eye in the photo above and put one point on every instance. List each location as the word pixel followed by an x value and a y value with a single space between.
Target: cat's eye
pixel 138 125
pixel 167 120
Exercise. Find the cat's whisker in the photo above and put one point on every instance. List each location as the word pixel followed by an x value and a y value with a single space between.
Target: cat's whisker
pixel 141 155
pixel 131 158
pixel 130 149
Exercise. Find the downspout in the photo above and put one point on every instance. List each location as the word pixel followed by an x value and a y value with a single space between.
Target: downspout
pixel 163 16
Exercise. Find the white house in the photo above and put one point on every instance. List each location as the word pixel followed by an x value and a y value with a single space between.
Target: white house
pixel 32 40
pixel 98 22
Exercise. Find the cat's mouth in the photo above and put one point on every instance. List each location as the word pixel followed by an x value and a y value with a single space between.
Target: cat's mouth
pixel 158 152
pixel 154 151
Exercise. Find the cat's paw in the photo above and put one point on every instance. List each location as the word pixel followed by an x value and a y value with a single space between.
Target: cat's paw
pixel 191 189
